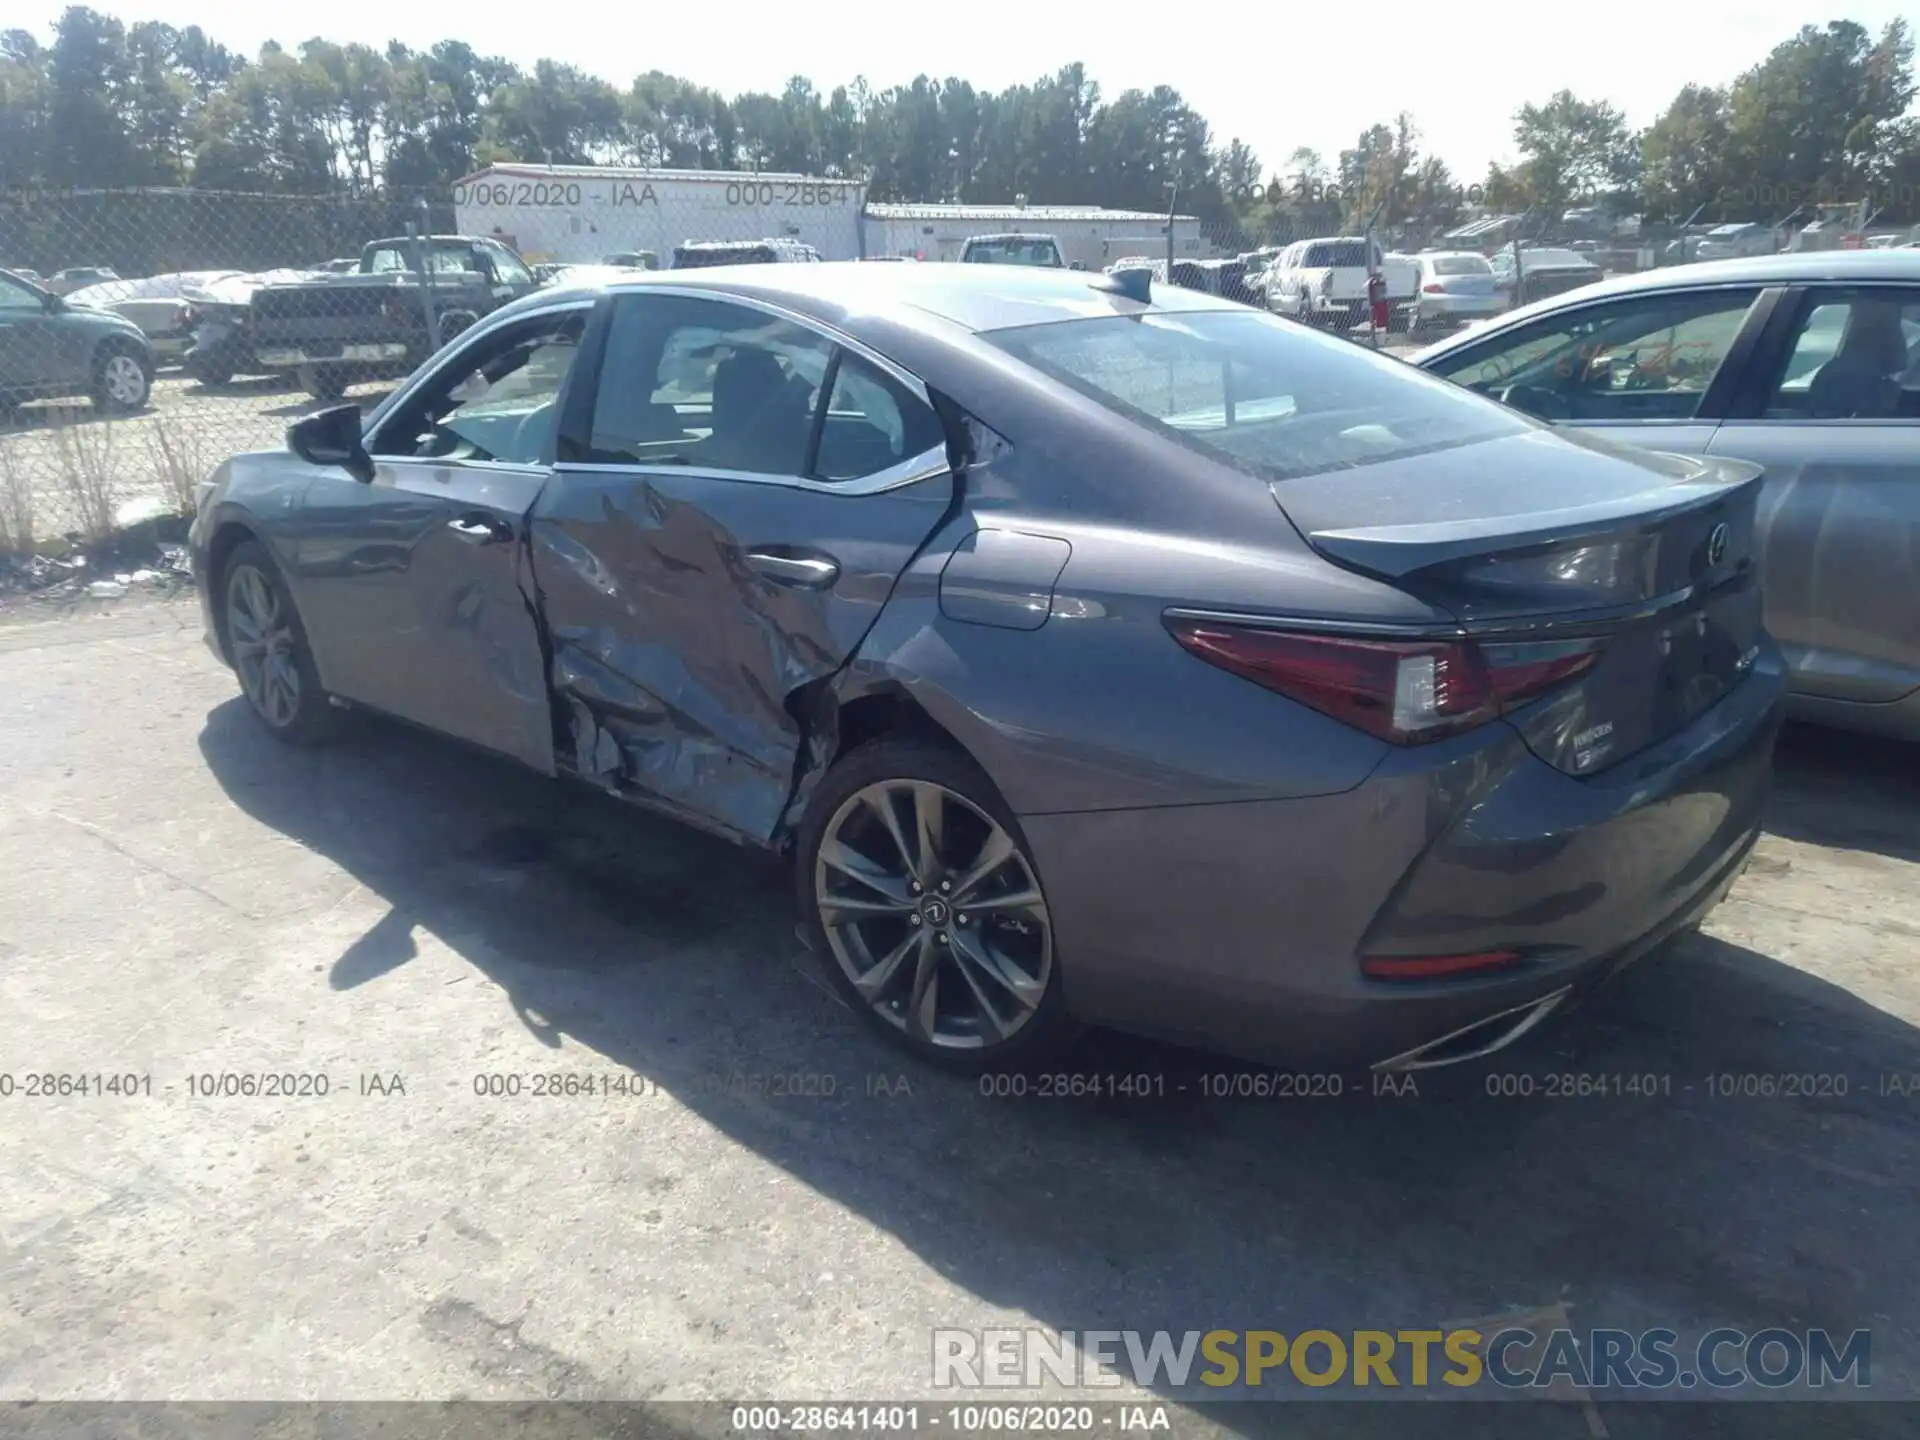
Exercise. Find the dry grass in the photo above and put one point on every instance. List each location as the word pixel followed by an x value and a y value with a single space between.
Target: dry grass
pixel 16 503
pixel 84 461
pixel 178 455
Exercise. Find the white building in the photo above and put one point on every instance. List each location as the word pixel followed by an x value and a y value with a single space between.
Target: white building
pixel 585 213
pixel 1089 235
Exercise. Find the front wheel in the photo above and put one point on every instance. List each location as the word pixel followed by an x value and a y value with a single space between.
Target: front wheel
pixel 919 893
pixel 268 648
pixel 122 379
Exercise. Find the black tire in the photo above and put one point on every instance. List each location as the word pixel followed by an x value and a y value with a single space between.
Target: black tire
pixel 1042 1030
pixel 209 374
pixel 312 718
pixel 323 382
pixel 454 323
pixel 122 378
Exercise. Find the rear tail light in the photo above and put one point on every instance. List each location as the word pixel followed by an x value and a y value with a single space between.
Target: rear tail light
pixel 1433 287
pixel 1436 967
pixel 1406 692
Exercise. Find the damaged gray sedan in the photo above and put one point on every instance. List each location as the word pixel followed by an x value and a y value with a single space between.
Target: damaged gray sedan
pixel 1099 652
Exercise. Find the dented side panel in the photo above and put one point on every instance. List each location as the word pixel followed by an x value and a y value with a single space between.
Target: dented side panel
pixel 681 645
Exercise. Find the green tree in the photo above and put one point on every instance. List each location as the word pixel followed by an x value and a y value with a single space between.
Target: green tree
pixel 1576 152
pixel 1684 154
pixel 1822 116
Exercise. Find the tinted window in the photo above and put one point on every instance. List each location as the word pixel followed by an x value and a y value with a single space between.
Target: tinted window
pixel 1256 391
pixel 872 422
pixel 1338 254
pixel 1012 250
pixel 441 259
pixel 508 267
pixel 702 382
pixel 1854 357
pixel 500 404
pixel 689 257
pixel 1651 358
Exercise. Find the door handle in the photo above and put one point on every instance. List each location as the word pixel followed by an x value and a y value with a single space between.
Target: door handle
pixel 809 572
pixel 480 529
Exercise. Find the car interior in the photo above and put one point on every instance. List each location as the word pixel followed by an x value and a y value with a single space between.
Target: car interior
pixel 1852 361
pixel 503 411
pixel 1651 361
pixel 748 401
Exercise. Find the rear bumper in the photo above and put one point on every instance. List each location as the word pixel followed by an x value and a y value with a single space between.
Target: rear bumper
pixel 1239 927
pixel 280 355
pixel 1461 307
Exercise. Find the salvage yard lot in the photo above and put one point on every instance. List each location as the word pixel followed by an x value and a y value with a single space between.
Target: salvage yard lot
pixel 210 423
pixel 185 900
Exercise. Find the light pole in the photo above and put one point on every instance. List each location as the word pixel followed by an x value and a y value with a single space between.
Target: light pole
pixel 1173 203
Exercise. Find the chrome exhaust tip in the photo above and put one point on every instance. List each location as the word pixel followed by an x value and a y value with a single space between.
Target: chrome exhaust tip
pixel 1479 1038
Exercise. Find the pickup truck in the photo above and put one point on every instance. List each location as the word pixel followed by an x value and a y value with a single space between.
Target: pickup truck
pixel 336 330
pixel 1324 282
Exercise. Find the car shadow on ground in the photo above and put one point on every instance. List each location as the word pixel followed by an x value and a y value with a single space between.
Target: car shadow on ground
pixel 1855 792
pixel 1666 1199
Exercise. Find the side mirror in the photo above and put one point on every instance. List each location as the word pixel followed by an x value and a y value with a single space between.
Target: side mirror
pixel 55 305
pixel 332 437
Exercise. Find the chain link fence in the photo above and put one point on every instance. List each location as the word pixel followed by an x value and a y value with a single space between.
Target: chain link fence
pixel 146 335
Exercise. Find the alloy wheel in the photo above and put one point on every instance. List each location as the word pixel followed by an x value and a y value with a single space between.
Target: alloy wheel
pixel 933 913
pixel 261 637
pixel 124 380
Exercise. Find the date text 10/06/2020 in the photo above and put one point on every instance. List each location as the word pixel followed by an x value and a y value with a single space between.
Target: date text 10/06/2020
pixel 629 194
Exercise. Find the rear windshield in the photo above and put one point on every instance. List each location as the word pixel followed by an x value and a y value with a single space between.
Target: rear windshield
pixel 686 258
pixel 1012 251
pixel 1338 254
pixel 1460 265
pixel 1253 390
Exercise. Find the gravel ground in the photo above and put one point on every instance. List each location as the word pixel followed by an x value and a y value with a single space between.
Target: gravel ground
pixel 182 898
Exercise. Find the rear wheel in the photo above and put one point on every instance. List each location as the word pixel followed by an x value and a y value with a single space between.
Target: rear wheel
pixel 122 378
pixel 268 648
pixel 920 895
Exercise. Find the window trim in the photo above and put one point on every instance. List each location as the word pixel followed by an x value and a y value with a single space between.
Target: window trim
pixel 583 385
pixel 1728 382
pixel 1795 301
pixel 469 342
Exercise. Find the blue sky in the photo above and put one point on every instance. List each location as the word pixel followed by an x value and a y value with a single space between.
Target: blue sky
pixel 1311 75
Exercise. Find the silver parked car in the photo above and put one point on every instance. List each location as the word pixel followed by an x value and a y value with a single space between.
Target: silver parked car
pixel 1808 364
pixel 1455 285
pixel 1097 650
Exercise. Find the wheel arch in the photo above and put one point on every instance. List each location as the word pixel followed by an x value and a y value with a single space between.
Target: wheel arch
pixel 839 716
pixel 229 535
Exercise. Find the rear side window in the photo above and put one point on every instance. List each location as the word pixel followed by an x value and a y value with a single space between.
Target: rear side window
pixel 1248 388
pixel 690 382
pixel 1855 356
pixel 872 423
pixel 718 386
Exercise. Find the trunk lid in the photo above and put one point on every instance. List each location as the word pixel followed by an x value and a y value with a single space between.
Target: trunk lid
pixel 1543 543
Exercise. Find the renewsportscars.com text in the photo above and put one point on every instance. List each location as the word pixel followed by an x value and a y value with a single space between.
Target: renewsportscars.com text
pixel 1515 1358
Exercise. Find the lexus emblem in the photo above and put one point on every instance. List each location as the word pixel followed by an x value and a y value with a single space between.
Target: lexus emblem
pixel 1717 544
